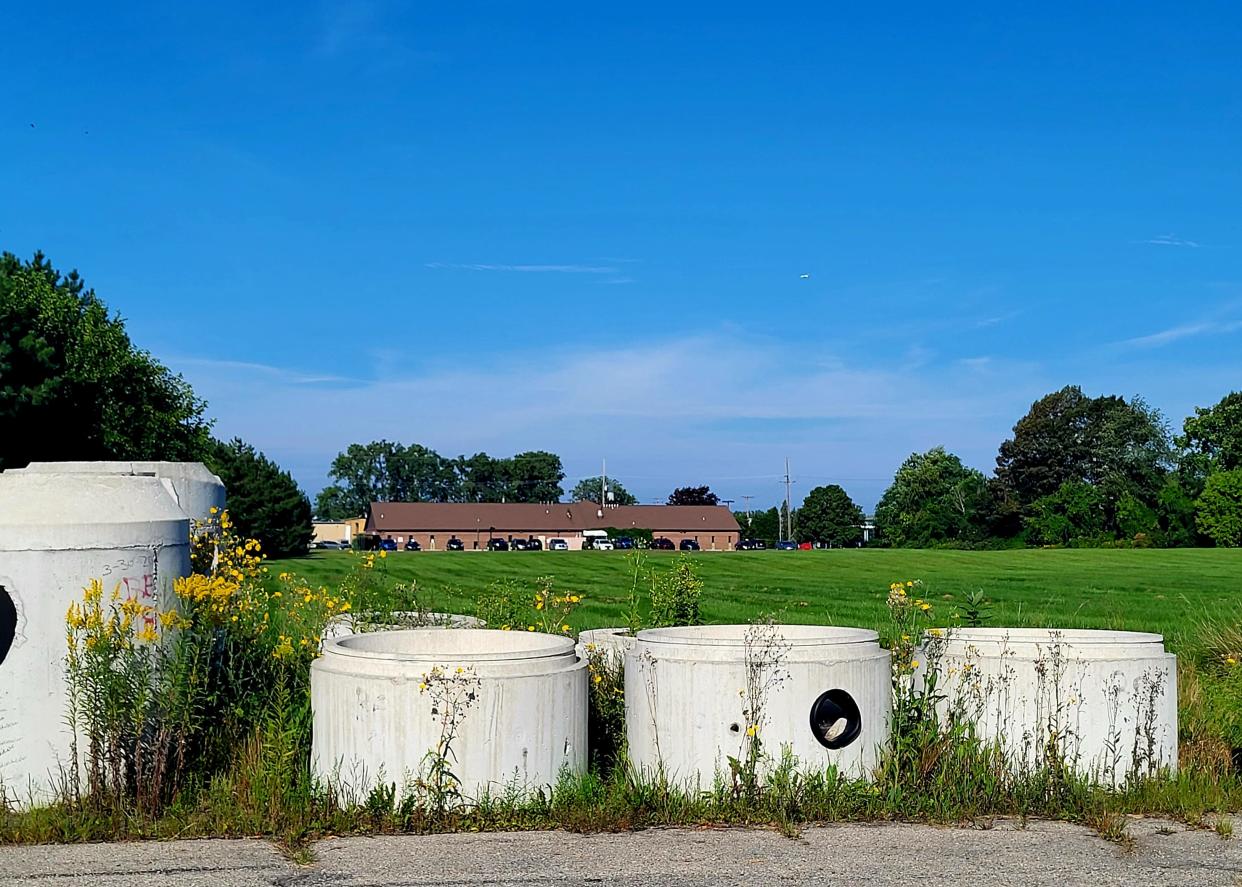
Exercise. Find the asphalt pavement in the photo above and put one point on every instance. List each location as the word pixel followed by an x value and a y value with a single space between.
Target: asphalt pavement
pixel 1007 853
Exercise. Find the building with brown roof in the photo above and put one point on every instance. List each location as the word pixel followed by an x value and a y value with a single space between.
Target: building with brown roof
pixel 432 524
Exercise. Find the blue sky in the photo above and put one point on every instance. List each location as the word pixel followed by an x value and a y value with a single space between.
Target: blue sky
pixel 511 226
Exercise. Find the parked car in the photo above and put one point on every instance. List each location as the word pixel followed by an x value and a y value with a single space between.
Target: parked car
pixel 534 545
pixel 388 544
pixel 331 545
pixel 603 545
pixel 558 545
pixel 786 545
pixel 689 545
pixel 455 544
pixel 412 545
pixel 663 543
pixel 517 545
pixel 495 544
pixel 623 543
pixel 750 545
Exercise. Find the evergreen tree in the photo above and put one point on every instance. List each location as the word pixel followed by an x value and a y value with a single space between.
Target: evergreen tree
pixel 264 502
pixel 72 384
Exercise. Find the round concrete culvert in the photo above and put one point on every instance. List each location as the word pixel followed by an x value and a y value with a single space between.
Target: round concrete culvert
pixel 376 715
pixel 57 533
pixel 1105 701
pixel 835 719
pixel 686 695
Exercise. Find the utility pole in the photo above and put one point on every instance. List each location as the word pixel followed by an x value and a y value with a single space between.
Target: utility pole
pixel 788 507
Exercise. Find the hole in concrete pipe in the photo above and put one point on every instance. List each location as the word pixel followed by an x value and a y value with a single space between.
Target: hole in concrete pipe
pixel 835 719
pixel 8 623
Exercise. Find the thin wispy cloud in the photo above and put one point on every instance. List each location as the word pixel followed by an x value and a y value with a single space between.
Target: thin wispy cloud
pixel 1182 331
pixel 274 373
pixel 524 269
pixel 1171 240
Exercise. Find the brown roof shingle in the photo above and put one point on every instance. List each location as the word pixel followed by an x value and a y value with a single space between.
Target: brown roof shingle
pixel 470 517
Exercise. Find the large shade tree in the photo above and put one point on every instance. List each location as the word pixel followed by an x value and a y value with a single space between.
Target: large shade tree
pixel 1211 439
pixel 693 496
pixel 828 515
pixel 1115 445
pixel 1219 509
pixel 933 498
pixel 589 490
pixel 74 386
pixel 535 476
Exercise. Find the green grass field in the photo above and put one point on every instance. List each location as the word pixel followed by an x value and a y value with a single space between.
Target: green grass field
pixel 1169 591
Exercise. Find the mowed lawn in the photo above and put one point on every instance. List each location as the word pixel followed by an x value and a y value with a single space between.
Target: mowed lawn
pixel 1168 591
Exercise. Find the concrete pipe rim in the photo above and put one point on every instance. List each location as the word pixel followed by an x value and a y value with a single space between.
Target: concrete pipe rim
pixel 1068 637
pixel 729 636
pixel 463 645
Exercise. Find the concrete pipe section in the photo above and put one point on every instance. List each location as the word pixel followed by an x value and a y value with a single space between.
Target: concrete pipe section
pixel 193 487
pixel 828 698
pixel 614 643
pixel 57 533
pixel 1105 700
pixel 376 714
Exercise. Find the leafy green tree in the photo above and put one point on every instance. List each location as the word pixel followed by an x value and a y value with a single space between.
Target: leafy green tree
pixel 762 525
pixel 829 515
pixel 1109 442
pixel 535 476
pixel 933 498
pixel 264 502
pixel 1219 509
pixel 1076 511
pixel 693 496
pixel 1211 439
pixel 484 478
pixel 1175 513
pixel 73 385
pixel 1137 520
pixel 588 490
pixel 382 471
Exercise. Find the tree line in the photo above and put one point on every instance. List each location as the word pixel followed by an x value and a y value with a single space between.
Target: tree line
pixel 384 471
pixel 1078 470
